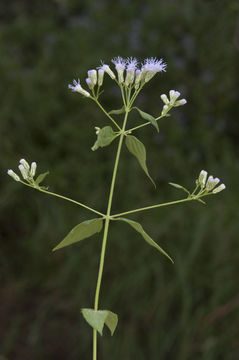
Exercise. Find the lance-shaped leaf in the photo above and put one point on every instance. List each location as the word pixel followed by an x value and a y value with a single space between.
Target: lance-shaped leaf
pixel 81 231
pixel 177 186
pixel 137 148
pixel 148 117
pixel 40 178
pixel 97 319
pixel 105 136
pixel 146 237
pixel 118 111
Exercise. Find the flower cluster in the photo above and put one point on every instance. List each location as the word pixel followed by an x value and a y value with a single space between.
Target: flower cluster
pixel 129 73
pixel 208 184
pixel 28 172
pixel 172 101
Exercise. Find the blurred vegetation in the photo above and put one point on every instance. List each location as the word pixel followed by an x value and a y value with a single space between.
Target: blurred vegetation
pixel 185 311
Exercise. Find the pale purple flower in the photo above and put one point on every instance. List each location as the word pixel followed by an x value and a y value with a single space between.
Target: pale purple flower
pixel 90 83
pixel 76 87
pixel 151 67
pixel 120 65
pixel 100 77
pixel 92 74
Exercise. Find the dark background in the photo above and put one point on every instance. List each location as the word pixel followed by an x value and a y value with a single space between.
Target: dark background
pixel 184 311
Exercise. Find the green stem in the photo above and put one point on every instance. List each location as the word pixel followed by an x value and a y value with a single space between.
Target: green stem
pixel 145 124
pixel 106 228
pixel 107 114
pixel 152 207
pixel 63 197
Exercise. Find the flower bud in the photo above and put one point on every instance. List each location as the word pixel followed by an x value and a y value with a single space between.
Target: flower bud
pixel 211 183
pixel 180 102
pixel 164 99
pixel 33 169
pixel 165 110
pixel 23 171
pixel 107 69
pixel 219 188
pixel 25 164
pixel 76 87
pixel 13 175
pixel 89 83
pixel 92 74
pixel 100 77
pixel 173 95
pixel 202 178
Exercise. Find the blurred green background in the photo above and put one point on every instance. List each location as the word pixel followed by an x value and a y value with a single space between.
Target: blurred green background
pixel 184 311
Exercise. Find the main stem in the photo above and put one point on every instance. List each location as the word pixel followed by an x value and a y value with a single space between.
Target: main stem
pixel 106 229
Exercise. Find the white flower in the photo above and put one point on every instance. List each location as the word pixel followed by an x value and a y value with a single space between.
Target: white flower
pixel 219 188
pixel 202 178
pixel 107 69
pixel 152 66
pixel 76 87
pixel 211 183
pixel 13 175
pixel 165 110
pixel 120 65
pixel 165 99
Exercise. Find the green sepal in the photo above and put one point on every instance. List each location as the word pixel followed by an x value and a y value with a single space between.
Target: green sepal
pixel 118 111
pixel 40 178
pixel 138 227
pixel 137 148
pixel 177 186
pixel 98 318
pixel 104 138
pixel 81 231
pixel 148 117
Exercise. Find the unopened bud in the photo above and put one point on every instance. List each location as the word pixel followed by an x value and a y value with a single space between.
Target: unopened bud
pixel 25 164
pixel 93 76
pixel 173 95
pixel 165 109
pixel 13 175
pixel 89 83
pixel 180 102
pixel 107 69
pixel 33 169
pixel 100 77
pixel 23 171
pixel 219 188
pixel 211 183
pixel 164 99
pixel 202 178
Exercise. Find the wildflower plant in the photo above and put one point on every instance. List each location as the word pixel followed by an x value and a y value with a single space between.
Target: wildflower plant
pixel 131 77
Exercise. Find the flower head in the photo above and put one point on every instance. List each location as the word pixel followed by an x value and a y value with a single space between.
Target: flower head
pixel 151 67
pixel 108 70
pixel 120 65
pixel 76 87
pixel 130 70
pixel 172 100
pixel 13 175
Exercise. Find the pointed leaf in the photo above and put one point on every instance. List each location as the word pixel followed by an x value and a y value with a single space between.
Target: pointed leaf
pixel 177 186
pixel 117 112
pixel 148 117
pixel 97 319
pixel 137 148
pixel 81 231
pixel 41 177
pixel 104 138
pixel 146 237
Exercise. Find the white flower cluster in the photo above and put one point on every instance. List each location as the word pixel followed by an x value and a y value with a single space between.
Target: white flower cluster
pixel 28 172
pixel 172 101
pixel 129 72
pixel 208 184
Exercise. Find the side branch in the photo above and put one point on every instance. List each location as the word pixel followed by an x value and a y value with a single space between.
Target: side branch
pixel 106 113
pixel 65 198
pixel 152 207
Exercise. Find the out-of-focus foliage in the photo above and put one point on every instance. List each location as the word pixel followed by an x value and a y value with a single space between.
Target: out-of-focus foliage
pixel 182 311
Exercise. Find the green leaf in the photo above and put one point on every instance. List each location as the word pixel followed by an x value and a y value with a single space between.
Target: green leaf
pixel 97 319
pixel 148 117
pixel 117 112
pixel 177 186
pixel 105 137
pixel 40 178
pixel 81 231
pixel 146 237
pixel 137 148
